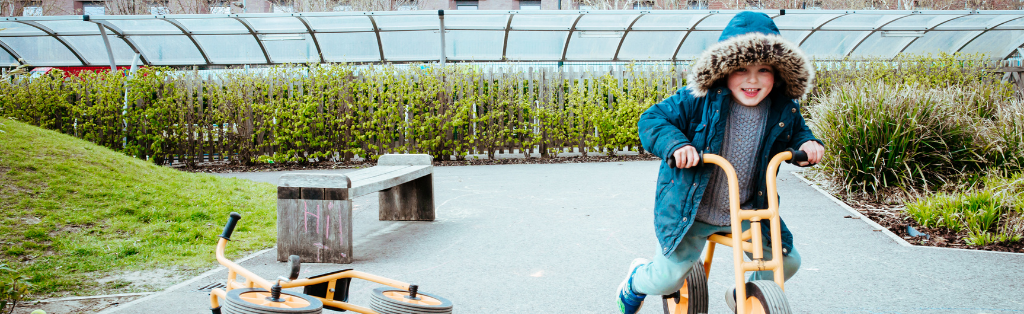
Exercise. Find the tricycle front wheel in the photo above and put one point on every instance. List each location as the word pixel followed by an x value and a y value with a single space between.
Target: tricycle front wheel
pixel 256 301
pixel 764 296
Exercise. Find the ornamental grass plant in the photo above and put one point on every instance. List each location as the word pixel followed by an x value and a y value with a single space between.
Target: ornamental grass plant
pixel 942 134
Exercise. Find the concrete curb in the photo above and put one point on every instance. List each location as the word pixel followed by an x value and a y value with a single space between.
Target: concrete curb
pixel 178 286
pixel 885 230
pixel 95 297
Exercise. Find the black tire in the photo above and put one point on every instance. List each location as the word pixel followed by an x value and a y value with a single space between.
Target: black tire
pixel 771 297
pixel 236 303
pixel 383 301
pixel 697 290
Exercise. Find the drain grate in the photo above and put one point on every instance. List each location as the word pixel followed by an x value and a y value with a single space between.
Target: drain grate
pixel 211 286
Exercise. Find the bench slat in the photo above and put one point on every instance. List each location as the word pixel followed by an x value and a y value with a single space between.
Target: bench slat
pixel 387 180
pixel 363 174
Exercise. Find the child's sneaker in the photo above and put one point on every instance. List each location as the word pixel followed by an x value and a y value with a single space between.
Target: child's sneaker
pixel 730 300
pixel 630 301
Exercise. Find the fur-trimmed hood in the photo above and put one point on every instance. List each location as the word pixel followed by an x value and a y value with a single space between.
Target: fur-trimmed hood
pixel 752 38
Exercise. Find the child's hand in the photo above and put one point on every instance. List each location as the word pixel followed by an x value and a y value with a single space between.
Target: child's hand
pixel 814 152
pixel 686 157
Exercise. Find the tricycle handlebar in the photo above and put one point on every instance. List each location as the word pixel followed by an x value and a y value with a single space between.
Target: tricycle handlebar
pixel 230 226
pixel 798 156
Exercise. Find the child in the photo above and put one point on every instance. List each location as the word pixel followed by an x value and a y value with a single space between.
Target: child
pixel 739 102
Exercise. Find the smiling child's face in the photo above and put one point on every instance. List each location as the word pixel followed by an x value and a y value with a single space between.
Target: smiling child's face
pixel 751 84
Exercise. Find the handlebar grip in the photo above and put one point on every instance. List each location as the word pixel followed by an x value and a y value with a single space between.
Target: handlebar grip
pixel 294 266
pixel 672 161
pixel 230 227
pixel 798 156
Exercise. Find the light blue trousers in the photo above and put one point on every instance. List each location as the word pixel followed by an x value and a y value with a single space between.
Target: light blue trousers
pixel 665 274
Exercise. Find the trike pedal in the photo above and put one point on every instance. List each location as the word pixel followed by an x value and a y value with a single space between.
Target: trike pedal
pixel 320 290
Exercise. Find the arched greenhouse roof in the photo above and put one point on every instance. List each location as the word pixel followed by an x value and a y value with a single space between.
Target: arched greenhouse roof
pixel 485 36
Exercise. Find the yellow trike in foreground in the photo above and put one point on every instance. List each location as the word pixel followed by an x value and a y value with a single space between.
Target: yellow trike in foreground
pixel 329 290
pixel 761 296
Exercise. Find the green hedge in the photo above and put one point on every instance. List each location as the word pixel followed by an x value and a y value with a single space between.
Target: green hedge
pixel 336 111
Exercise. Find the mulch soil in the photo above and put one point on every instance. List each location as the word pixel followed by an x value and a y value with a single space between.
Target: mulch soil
pixel 897 221
pixel 224 167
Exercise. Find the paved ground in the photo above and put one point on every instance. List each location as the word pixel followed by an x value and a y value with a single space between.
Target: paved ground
pixel 558 239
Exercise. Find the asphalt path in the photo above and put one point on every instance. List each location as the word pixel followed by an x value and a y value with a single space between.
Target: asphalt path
pixel 557 238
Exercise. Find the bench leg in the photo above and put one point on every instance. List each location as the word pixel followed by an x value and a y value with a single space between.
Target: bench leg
pixel 318 231
pixel 413 200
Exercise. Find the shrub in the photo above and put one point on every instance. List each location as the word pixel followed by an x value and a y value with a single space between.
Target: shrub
pixel 988 215
pixel 13 287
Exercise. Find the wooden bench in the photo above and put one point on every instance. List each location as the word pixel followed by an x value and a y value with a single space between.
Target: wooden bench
pixel 314 211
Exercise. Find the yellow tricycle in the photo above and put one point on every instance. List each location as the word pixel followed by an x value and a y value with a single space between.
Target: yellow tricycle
pixel 329 290
pixel 761 296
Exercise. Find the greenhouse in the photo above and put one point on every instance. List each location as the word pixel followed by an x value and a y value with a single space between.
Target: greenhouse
pixel 484 36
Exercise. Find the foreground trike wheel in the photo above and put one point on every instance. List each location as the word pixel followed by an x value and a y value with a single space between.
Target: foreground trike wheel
pixel 255 301
pixel 764 296
pixel 692 298
pixel 387 300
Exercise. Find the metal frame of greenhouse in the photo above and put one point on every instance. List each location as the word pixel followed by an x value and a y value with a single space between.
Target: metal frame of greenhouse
pixel 484 36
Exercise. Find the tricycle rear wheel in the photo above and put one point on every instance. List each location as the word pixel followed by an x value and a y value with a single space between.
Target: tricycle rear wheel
pixel 387 300
pixel 692 298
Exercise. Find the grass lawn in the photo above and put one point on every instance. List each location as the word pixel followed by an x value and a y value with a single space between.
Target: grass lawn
pixel 74 212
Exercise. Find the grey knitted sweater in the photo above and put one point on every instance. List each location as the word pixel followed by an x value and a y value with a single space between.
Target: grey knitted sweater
pixel 743 132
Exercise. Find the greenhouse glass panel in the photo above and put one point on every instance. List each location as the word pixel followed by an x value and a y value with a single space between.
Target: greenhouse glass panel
pixel 475 22
pixel 975 22
pixel 95 52
pixel 42 50
pixel 605 22
pixel 407 22
pixel 349 47
pixel 231 49
pixel 411 46
pixel 715 22
pixel 878 46
pixel 593 45
pixel 1015 24
pixel 696 43
pixel 277 25
pixel 996 44
pixel 794 37
pixel 936 41
pixel 831 44
pixel 640 45
pixel 340 24
pixel 667 22
pixel 72 27
pixel 860 21
pixel 535 45
pixel 18 29
pixel 145 27
pixel 918 22
pixel 802 21
pixel 214 26
pixel 298 48
pixel 7 59
pixel 169 50
pixel 539 22
pixel 474 45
